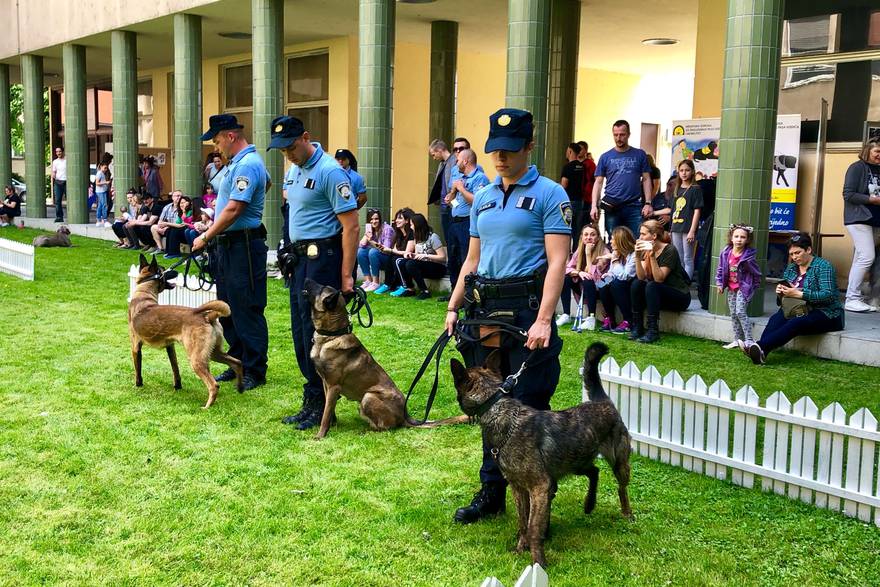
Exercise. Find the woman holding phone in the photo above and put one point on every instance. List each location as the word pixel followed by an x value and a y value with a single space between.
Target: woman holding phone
pixel 377 234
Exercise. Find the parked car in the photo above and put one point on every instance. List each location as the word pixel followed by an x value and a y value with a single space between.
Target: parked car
pixel 19 188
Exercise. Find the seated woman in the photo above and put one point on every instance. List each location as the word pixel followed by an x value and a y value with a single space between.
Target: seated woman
pixel 129 211
pixel 584 268
pixel 807 278
pixel 184 219
pixel 400 245
pixel 11 207
pixel 369 256
pixel 206 219
pixel 614 287
pixel 661 282
pixel 427 260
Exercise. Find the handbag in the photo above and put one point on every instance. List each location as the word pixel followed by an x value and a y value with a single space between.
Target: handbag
pixel 794 307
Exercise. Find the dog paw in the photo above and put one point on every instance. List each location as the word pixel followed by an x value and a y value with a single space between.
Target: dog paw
pixel 522 545
pixel 178 386
pixel 138 383
pixel 540 560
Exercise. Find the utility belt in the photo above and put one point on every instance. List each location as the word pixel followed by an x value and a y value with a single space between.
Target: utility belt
pixel 483 293
pixel 460 218
pixel 231 237
pixel 289 256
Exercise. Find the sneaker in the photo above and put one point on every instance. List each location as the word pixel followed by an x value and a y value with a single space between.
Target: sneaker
pixel 3 224
pixel 374 286
pixel 99 224
pixel 606 325
pixel 172 256
pixel 756 354
pixel 425 295
pixel 381 289
pixel 589 323
pixel 622 328
pixel 365 284
pixel 407 293
pixel 444 298
pixel 563 320
pixel 731 345
pixel 398 292
pixel 107 224
pixel 859 306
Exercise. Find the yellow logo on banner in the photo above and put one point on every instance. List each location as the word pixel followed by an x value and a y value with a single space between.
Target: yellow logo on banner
pixel 783 195
pixel 678 131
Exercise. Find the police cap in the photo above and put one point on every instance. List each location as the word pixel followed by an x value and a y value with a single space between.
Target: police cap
pixel 285 130
pixel 510 129
pixel 219 123
pixel 346 154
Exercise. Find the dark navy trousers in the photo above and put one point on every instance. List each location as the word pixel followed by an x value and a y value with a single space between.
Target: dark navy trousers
pixel 458 238
pixel 245 329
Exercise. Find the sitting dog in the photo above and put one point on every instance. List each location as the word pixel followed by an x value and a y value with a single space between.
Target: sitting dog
pixel 161 326
pixel 61 238
pixel 347 368
pixel 536 448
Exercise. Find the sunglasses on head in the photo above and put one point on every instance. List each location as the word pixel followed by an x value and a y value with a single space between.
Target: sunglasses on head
pixel 745 227
pixel 372 210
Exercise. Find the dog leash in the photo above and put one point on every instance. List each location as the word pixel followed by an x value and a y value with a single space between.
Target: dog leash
pixel 360 303
pixel 439 345
pixel 204 278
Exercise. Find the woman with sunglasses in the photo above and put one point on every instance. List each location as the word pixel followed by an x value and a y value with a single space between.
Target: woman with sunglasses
pixel 377 234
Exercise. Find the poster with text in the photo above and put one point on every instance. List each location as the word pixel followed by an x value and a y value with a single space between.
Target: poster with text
pixel 698 140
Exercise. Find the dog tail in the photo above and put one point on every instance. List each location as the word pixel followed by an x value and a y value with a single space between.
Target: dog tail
pixel 214 310
pixel 411 423
pixel 592 382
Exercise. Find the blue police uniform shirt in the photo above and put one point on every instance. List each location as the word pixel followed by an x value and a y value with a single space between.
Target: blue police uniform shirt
pixel 245 181
pixel 512 236
pixel 317 191
pixel 472 183
pixel 623 174
pixel 358 185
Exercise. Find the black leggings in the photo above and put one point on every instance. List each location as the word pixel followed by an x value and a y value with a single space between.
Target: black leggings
pixel 413 269
pixel 581 287
pixel 617 295
pixel 657 296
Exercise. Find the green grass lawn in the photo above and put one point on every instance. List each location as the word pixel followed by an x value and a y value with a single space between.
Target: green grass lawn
pixel 101 482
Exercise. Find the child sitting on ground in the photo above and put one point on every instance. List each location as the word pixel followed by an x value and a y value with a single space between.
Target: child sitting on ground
pixel 738 272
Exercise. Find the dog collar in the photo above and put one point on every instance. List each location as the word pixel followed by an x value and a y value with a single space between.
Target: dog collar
pixel 337 332
pixel 487 405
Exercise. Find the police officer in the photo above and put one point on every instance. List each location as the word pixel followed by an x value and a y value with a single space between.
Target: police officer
pixel 324 239
pixel 346 160
pixel 240 264
pixel 469 180
pixel 520 231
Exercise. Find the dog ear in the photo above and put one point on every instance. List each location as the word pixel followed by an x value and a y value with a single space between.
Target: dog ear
pixel 331 301
pixel 143 261
pixel 459 373
pixel 493 362
pixel 154 265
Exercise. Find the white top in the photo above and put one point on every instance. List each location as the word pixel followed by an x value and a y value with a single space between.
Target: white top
pixel 59 166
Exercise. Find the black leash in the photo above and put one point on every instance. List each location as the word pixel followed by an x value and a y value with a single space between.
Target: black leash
pixel 436 353
pixel 360 303
pixel 203 276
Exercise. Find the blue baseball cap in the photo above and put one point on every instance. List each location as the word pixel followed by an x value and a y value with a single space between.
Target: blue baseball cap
pixel 510 129
pixel 218 123
pixel 285 130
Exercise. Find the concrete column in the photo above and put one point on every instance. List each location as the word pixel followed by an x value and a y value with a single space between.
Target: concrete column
pixel 748 127
pixel 565 19
pixel 34 139
pixel 188 104
pixel 123 56
pixel 268 22
pixel 375 91
pixel 5 128
pixel 76 142
pixel 528 56
pixel 444 57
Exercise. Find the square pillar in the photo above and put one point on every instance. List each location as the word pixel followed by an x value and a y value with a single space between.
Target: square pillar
pixel 565 20
pixel 188 104
pixel 5 128
pixel 76 141
pixel 125 117
pixel 34 137
pixel 444 57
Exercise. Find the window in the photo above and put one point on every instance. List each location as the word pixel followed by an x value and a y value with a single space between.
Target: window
pixel 145 113
pixel 307 95
pixel 810 36
pixel 238 94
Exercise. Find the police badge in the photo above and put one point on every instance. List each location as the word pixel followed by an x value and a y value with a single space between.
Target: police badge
pixel 567 213
pixel 344 190
pixel 242 183
pixel 312 251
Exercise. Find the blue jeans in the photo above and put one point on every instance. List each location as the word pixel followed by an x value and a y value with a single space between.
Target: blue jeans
pixel 59 191
pixel 779 330
pixel 629 215
pixel 370 261
pixel 101 212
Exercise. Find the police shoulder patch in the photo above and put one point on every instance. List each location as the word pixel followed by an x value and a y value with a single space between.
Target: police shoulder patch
pixel 344 190
pixel 566 211
pixel 242 182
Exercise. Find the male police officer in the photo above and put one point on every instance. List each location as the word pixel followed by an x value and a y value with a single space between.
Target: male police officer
pixel 241 249
pixel 324 240
pixel 469 180
pixel 520 229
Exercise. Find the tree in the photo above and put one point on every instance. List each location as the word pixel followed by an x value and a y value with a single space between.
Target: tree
pixel 16 115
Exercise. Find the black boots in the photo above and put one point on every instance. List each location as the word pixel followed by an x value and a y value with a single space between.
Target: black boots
pixel 652 334
pixel 488 501
pixel 310 414
pixel 636 330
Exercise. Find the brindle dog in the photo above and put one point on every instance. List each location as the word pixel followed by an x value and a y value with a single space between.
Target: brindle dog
pixel 347 368
pixel 161 326
pixel 536 448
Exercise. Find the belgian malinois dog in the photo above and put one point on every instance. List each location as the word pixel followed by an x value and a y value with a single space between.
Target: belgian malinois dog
pixel 536 448
pixel 347 368
pixel 161 326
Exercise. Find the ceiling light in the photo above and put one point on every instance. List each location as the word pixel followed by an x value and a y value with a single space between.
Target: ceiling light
pixel 660 41
pixel 236 35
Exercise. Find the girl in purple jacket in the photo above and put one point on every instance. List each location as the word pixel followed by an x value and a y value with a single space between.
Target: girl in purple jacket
pixel 739 273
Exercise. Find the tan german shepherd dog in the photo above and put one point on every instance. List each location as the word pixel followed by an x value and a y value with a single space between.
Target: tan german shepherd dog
pixel 161 326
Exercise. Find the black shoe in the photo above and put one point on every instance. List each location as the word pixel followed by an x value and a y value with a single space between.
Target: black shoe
pixel 652 334
pixel 59 220
pixel 443 299
pixel 228 375
pixel 756 354
pixel 250 382
pixel 636 330
pixel 297 417
pixel 311 419
pixel 425 295
pixel 488 501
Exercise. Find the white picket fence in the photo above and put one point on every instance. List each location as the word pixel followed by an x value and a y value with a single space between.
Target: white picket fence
pixel 179 296
pixel 17 259
pixel 817 457
pixel 532 576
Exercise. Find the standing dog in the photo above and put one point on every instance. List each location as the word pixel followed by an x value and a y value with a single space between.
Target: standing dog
pixel 161 326
pixel 61 238
pixel 347 368
pixel 536 448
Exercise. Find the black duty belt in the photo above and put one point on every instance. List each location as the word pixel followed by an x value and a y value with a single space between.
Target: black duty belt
pixel 230 237
pixel 460 218
pixel 301 247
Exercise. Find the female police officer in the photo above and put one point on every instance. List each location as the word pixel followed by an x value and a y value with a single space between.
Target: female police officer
pixel 520 233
